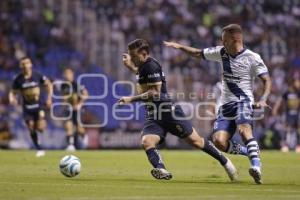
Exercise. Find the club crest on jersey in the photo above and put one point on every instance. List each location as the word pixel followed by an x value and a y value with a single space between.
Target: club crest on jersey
pixel 245 61
pixel 138 77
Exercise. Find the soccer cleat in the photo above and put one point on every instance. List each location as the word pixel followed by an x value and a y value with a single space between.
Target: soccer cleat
pixel 256 174
pixel 160 173
pixel 238 149
pixel 40 153
pixel 297 149
pixel 71 148
pixel 231 170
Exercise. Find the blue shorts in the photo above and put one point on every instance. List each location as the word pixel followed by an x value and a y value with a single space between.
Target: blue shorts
pixel 292 120
pixel 169 122
pixel 232 114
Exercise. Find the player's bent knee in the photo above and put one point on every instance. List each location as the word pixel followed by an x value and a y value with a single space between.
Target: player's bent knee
pixel 245 131
pixel 30 125
pixel 196 140
pixel 199 143
pixel 69 128
pixel 148 142
pixel 80 130
pixel 41 127
pixel 220 142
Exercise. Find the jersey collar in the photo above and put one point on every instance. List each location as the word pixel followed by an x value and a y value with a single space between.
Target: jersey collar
pixel 239 53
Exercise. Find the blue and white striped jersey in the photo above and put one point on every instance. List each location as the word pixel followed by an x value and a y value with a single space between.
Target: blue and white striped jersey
pixel 238 72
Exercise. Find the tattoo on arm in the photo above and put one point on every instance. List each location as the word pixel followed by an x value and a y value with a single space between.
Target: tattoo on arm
pixel 152 92
pixel 267 86
pixel 197 53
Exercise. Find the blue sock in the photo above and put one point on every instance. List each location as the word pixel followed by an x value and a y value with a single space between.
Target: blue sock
pixel 253 152
pixel 236 148
pixel 210 149
pixel 155 158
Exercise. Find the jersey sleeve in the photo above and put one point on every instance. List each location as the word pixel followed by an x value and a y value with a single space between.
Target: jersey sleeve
pixel 151 73
pixel 259 67
pixel 212 53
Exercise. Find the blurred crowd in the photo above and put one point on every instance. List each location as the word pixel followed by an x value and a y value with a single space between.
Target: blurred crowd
pixel 271 28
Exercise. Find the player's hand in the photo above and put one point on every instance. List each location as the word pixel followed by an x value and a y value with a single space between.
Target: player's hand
pixel 262 104
pixel 48 103
pixel 124 100
pixel 172 44
pixel 13 101
pixel 128 62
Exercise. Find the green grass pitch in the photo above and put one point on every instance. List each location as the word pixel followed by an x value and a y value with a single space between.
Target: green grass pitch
pixel 126 175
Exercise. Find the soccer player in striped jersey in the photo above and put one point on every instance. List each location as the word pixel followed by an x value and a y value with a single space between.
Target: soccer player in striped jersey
pixel 240 66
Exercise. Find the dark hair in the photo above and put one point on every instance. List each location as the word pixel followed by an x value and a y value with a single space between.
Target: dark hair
pixel 23 58
pixel 139 44
pixel 68 69
pixel 233 28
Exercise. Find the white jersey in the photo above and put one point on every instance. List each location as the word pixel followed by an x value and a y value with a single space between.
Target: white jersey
pixel 238 72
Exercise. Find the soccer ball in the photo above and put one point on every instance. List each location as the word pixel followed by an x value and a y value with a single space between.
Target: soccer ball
pixel 70 166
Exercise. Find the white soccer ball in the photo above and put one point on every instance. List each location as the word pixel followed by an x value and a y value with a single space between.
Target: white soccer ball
pixel 70 166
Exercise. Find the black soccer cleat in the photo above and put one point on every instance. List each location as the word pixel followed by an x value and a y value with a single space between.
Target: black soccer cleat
pixel 160 173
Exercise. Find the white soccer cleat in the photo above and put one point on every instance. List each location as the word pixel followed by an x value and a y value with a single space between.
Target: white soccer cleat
pixel 284 149
pixel 231 170
pixel 160 173
pixel 71 148
pixel 297 149
pixel 255 172
pixel 40 153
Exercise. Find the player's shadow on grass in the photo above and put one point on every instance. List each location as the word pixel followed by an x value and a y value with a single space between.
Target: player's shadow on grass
pixel 204 181
pixel 82 179
pixel 76 179
pixel 174 181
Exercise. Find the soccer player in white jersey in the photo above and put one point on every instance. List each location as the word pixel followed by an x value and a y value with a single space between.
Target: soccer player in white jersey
pixel 240 67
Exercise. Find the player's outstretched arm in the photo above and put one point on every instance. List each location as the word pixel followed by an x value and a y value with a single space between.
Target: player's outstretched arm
pixel 152 92
pixel 197 53
pixel 128 63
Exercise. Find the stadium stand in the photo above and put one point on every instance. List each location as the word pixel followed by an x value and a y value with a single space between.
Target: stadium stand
pixel 91 35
